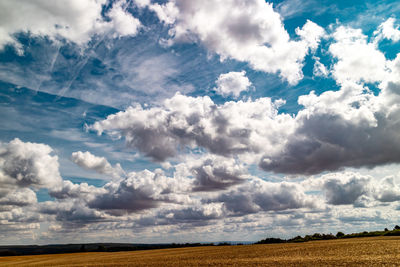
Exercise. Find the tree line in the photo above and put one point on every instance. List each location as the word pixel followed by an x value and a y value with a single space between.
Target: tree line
pixel 318 236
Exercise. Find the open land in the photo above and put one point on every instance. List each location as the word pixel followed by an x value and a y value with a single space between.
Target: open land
pixel 368 251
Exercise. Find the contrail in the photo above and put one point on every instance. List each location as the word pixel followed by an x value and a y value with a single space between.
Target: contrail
pixel 55 58
pixel 68 86
pixel 50 70
pixel 85 60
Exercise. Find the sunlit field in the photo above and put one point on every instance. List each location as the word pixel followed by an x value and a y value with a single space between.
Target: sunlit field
pixel 373 251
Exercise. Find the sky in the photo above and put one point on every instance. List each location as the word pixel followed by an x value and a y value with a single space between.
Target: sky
pixel 197 121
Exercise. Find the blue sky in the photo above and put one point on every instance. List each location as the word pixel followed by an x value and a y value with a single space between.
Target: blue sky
pixel 191 121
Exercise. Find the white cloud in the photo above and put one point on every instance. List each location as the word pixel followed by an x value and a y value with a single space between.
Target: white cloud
pixel 337 129
pixel 76 21
pixel 24 167
pixel 167 12
pixel 346 128
pixel 26 164
pixel 194 215
pixel 344 189
pixel 266 196
pixel 213 173
pixel 69 190
pixel 320 69
pixel 73 214
pixel 387 30
pixel 311 33
pixel 142 3
pixel 20 222
pixel 249 31
pixel 99 164
pixel 232 128
pixel 140 191
pixel 17 198
pixel 232 83
pixel 387 190
pixel 123 23
pixel 355 188
pixel 358 59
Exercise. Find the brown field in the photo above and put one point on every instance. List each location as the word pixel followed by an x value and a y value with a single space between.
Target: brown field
pixel 373 251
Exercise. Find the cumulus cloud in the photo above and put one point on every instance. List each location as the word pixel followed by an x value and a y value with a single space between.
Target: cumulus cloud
pixel 166 13
pixel 26 164
pixel 213 173
pixel 387 190
pixel 76 21
pixel 194 214
pixel 184 217
pixel 311 33
pixel 99 164
pixel 18 222
pixel 351 127
pixel 249 31
pixel 139 191
pixel 232 83
pixel 266 196
pixel 144 191
pixel 354 188
pixel 347 128
pixel 122 22
pixel 228 129
pixel 24 168
pixel 358 59
pixel 69 190
pixel 74 214
pixel 387 30
pixel 345 189
pixel 17 198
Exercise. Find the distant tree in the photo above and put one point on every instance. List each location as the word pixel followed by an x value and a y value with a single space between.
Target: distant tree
pixel 83 248
pixel 386 230
pixel 328 236
pixel 396 227
pixel 297 239
pixel 8 253
pixel 339 234
pixel 101 248
pixel 271 240
pixel 317 236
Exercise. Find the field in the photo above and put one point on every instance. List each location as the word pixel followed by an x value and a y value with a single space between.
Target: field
pixel 372 251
